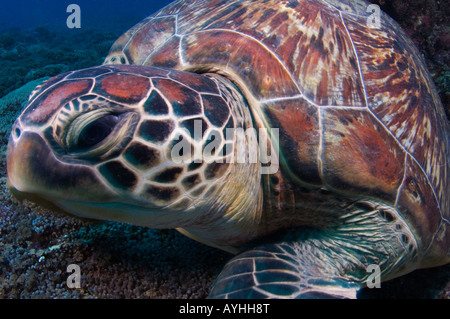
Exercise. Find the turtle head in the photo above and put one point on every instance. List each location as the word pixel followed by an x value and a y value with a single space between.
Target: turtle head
pixel 141 145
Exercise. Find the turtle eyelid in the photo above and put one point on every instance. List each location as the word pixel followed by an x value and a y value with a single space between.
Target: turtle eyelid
pixel 80 107
pixel 85 104
pixel 119 130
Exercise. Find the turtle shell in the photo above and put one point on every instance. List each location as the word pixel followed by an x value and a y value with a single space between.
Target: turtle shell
pixel 355 106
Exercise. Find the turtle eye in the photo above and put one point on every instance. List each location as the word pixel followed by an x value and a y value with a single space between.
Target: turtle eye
pixel 98 134
pixel 97 131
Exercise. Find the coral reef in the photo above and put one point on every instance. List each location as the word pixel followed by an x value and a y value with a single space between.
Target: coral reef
pixel 124 261
pixel 30 55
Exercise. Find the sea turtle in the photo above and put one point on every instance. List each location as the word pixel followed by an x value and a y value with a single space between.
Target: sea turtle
pixel 306 136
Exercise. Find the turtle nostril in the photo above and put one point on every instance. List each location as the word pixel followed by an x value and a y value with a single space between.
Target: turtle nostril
pixel 17 132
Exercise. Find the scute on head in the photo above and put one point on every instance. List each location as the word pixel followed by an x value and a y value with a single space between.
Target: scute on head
pixel 43 108
pixel 123 87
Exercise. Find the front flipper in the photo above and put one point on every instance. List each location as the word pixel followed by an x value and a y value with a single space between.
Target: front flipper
pixel 281 271
pixel 333 263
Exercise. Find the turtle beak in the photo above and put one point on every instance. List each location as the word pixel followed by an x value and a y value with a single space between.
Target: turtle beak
pixel 33 168
pixel 17 162
pixel 27 159
pixel 21 184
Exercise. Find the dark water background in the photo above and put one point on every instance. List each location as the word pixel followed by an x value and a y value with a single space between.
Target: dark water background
pixel 36 41
pixel 99 14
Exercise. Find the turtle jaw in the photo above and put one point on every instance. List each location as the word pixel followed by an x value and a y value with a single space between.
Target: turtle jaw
pixel 36 174
pixel 20 156
pixel 33 169
pixel 123 212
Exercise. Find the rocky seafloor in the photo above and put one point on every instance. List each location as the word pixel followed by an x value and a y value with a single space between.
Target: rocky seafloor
pixel 125 261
